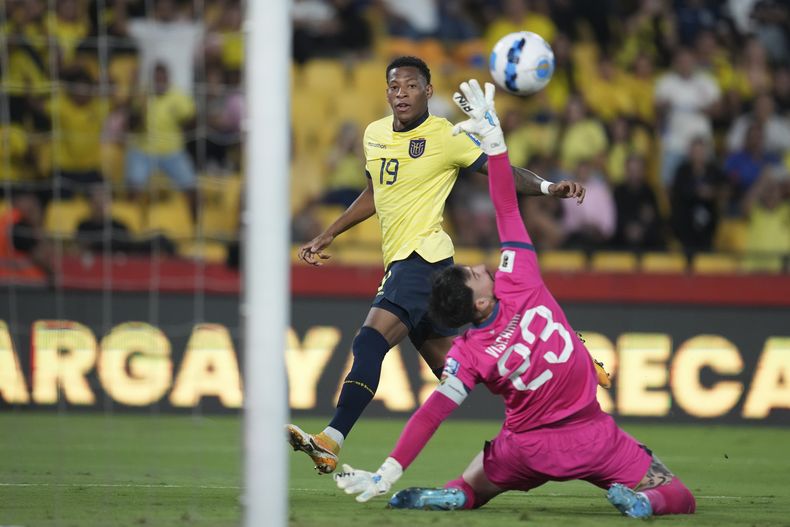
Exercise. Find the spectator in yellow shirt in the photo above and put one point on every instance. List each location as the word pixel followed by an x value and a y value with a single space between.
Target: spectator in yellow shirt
pixel 161 141
pixel 604 91
pixel 583 139
pixel 13 153
pixel 519 15
pixel 77 119
pixel 767 205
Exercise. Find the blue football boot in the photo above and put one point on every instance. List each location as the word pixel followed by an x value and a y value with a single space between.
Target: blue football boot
pixel 629 502
pixel 428 499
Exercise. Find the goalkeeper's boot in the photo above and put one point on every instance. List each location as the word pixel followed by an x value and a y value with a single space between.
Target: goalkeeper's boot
pixel 428 499
pixel 321 448
pixel 603 376
pixel 629 502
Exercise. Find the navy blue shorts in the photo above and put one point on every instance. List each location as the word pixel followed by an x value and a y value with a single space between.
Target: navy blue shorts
pixel 404 292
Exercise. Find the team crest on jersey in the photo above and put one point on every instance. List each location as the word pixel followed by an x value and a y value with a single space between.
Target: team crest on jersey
pixel 416 147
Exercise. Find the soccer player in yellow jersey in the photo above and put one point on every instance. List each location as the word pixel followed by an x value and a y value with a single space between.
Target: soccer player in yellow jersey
pixel 412 160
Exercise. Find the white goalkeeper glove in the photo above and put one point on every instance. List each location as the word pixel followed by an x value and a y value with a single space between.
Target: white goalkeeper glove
pixel 483 122
pixel 368 484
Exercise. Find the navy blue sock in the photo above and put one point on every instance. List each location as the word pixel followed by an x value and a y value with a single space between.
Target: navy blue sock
pixel 369 348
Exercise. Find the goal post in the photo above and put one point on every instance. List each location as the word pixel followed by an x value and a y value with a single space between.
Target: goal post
pixel 266 304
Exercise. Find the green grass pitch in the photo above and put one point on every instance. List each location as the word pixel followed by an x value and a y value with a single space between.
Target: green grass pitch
pixel 159 470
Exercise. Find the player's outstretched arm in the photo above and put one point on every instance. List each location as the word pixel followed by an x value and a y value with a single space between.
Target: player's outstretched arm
pixel 363 208
pixel 416 434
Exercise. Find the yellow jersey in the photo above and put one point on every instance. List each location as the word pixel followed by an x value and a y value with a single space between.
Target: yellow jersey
pixel 164 117
pixel 413 172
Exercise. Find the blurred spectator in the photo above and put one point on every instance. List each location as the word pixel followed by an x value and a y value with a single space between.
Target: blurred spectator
pixel 771 19
pixel 543 217
pixel 101 233
pixel 639 83
pixel 472 212
pixel 25 72
pixel 412 19
pixel 767 206
pixel 583 137
pixel 22 240
pixel 521 15
pixel 14 153
pixel 694 16
pixel 592 225
pixel 715 60
pixel 326 28
pixel 225 41
pixel 224 108
pixel 626 140
pixel 638 221
pixel 563 81
pixel 161 144
pixel 605 91
pixel 699 190
pixel 168 38
pixel 455 24
pixel 781 91
pixel 685 98
pixel 776 129
pixel 77 117
pixel 650 30
pixel 752 71
pixel 345 180
pixel 744 166
pixel 69 26
pixel 575 18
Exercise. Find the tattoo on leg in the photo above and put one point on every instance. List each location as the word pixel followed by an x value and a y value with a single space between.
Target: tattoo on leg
pixel 658 474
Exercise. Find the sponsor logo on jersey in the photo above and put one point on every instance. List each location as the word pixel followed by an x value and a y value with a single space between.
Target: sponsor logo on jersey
pixel 377 145
pixel 451 366
pixel 416 147
pixel 506 261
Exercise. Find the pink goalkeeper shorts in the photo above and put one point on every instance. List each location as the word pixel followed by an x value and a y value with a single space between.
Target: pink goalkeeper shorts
pixel 592 449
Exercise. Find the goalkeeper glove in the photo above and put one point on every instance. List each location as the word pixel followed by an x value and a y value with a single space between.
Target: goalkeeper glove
pixel 368 484
pixel 483 122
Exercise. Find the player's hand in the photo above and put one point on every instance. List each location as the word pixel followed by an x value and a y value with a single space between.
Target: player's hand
pixel 483 122
pixel 367 485
pixel 313 251
pixel 568 189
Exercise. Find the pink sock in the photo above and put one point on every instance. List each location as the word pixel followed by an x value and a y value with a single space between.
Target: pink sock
pixel 464 487
pixel 672 498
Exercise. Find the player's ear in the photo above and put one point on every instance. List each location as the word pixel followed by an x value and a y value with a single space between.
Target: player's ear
pixel 481 304
pixel 429 90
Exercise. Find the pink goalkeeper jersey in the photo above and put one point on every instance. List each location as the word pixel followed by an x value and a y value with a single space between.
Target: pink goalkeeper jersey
pixel 526 351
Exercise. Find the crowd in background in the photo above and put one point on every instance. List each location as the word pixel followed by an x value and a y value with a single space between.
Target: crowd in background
pixel 675 114
pixel 98 96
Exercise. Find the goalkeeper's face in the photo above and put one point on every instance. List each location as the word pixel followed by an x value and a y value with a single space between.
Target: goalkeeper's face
pixel 408 93
pixel 481 282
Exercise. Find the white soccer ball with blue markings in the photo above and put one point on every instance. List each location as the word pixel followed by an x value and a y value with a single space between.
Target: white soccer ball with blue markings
pixel 522 63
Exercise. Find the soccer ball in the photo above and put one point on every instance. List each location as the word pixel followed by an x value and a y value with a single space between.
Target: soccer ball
pixel 522 63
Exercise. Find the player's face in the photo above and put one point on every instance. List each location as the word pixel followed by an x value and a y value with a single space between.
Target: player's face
pixel 408 93
pixel 481 282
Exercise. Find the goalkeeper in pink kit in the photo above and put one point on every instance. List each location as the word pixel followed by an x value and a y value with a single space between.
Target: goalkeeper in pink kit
pixel 521 347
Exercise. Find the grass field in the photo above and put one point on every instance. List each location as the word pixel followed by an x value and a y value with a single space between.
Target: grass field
pixel 110 470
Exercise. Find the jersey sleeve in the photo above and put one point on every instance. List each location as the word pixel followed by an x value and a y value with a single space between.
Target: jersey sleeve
pixel 463 151
pixel 518 265
pixel 457 378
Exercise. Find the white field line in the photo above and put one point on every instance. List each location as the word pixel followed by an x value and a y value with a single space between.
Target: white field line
pixel 236 487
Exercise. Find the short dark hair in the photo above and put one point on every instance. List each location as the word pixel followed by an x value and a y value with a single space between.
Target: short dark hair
pixel 452 301
pixel 414 62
